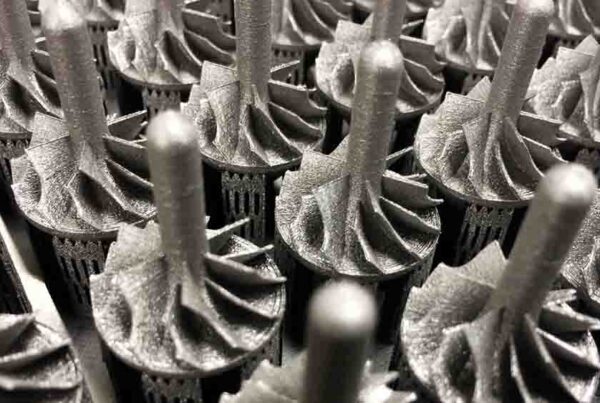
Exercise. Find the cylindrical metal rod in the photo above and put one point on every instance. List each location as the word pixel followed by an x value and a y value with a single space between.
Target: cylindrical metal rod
pixel 74 68
pixel 373 117
pixel 253 30
pixel 176 172
pixel 520 54
pixel 16 35
pixel 342 318
pixel 388 19
pixel 563 199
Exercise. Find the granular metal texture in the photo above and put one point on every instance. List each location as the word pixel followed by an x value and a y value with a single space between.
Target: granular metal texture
pixel 422 82
pixel 163 44
pixel 139 313
pixel 307 24
pixel 37 364
pixel 468 34
pixel 566 89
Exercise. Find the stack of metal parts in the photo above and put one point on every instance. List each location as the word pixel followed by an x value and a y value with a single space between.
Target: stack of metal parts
pixel 278 201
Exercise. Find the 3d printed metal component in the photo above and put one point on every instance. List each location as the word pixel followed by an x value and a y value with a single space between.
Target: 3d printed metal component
pixel 80 179
pixel 26 83
pixel 334 368
pixel 252 125
pixel 414 9
pixel 161 45
pixel 37 363
pixel 482 153
pixel 422 82
pixel 468 35
pixel 34 16
pixel 492 330
pixel 574 21
pixel 178 303
pixel 300 27
pixel 566 89
pixel 345 215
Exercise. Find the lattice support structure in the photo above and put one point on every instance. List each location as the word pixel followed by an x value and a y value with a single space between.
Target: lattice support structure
pixel 245 195
pixel 283 55
pixel 481 225
pixel 77 260
pixel 156 100
pixel 12 294
pixel 189 390
pixel 110 81
pixel 564 43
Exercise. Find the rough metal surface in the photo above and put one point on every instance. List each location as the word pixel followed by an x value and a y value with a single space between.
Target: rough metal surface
pixel 581 268
pixel 468 34
pixel 26 82
pixel 345 213
pixel 492 330
pixel 481 146
pixel 335 367
pixel 180 300
pixel 306 24
pixel 248 119
pixel 107 13
pixel 574 20
pixel 566 89
pixel 422 82
pixel 81 177
pixel 414 8
pixel 37 364
pixel 163 44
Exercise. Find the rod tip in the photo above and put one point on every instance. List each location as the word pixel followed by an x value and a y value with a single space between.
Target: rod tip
pixel 60 16
pixel 536 8
pixel 343 310
pixel 382 59
pixel 572 186
pixel 171 133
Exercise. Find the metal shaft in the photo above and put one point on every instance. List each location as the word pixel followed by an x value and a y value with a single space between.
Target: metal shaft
pixel 176 172
pixel 373 117
pixel 253 30
pixel 342 319
pixel 520 54
pixel 388 18
pixel 562 201
pixel 78 84
pixel 278 8
pixel 16 35
pixel 171 9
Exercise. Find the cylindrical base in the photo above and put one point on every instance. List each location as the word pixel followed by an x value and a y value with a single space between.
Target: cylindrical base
pixel 301 282
pixel 160 100
pixel 78 260
pixel 249 195
pixel 468 227
pixel 132 385
pixel 68 265
pixel 461 82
